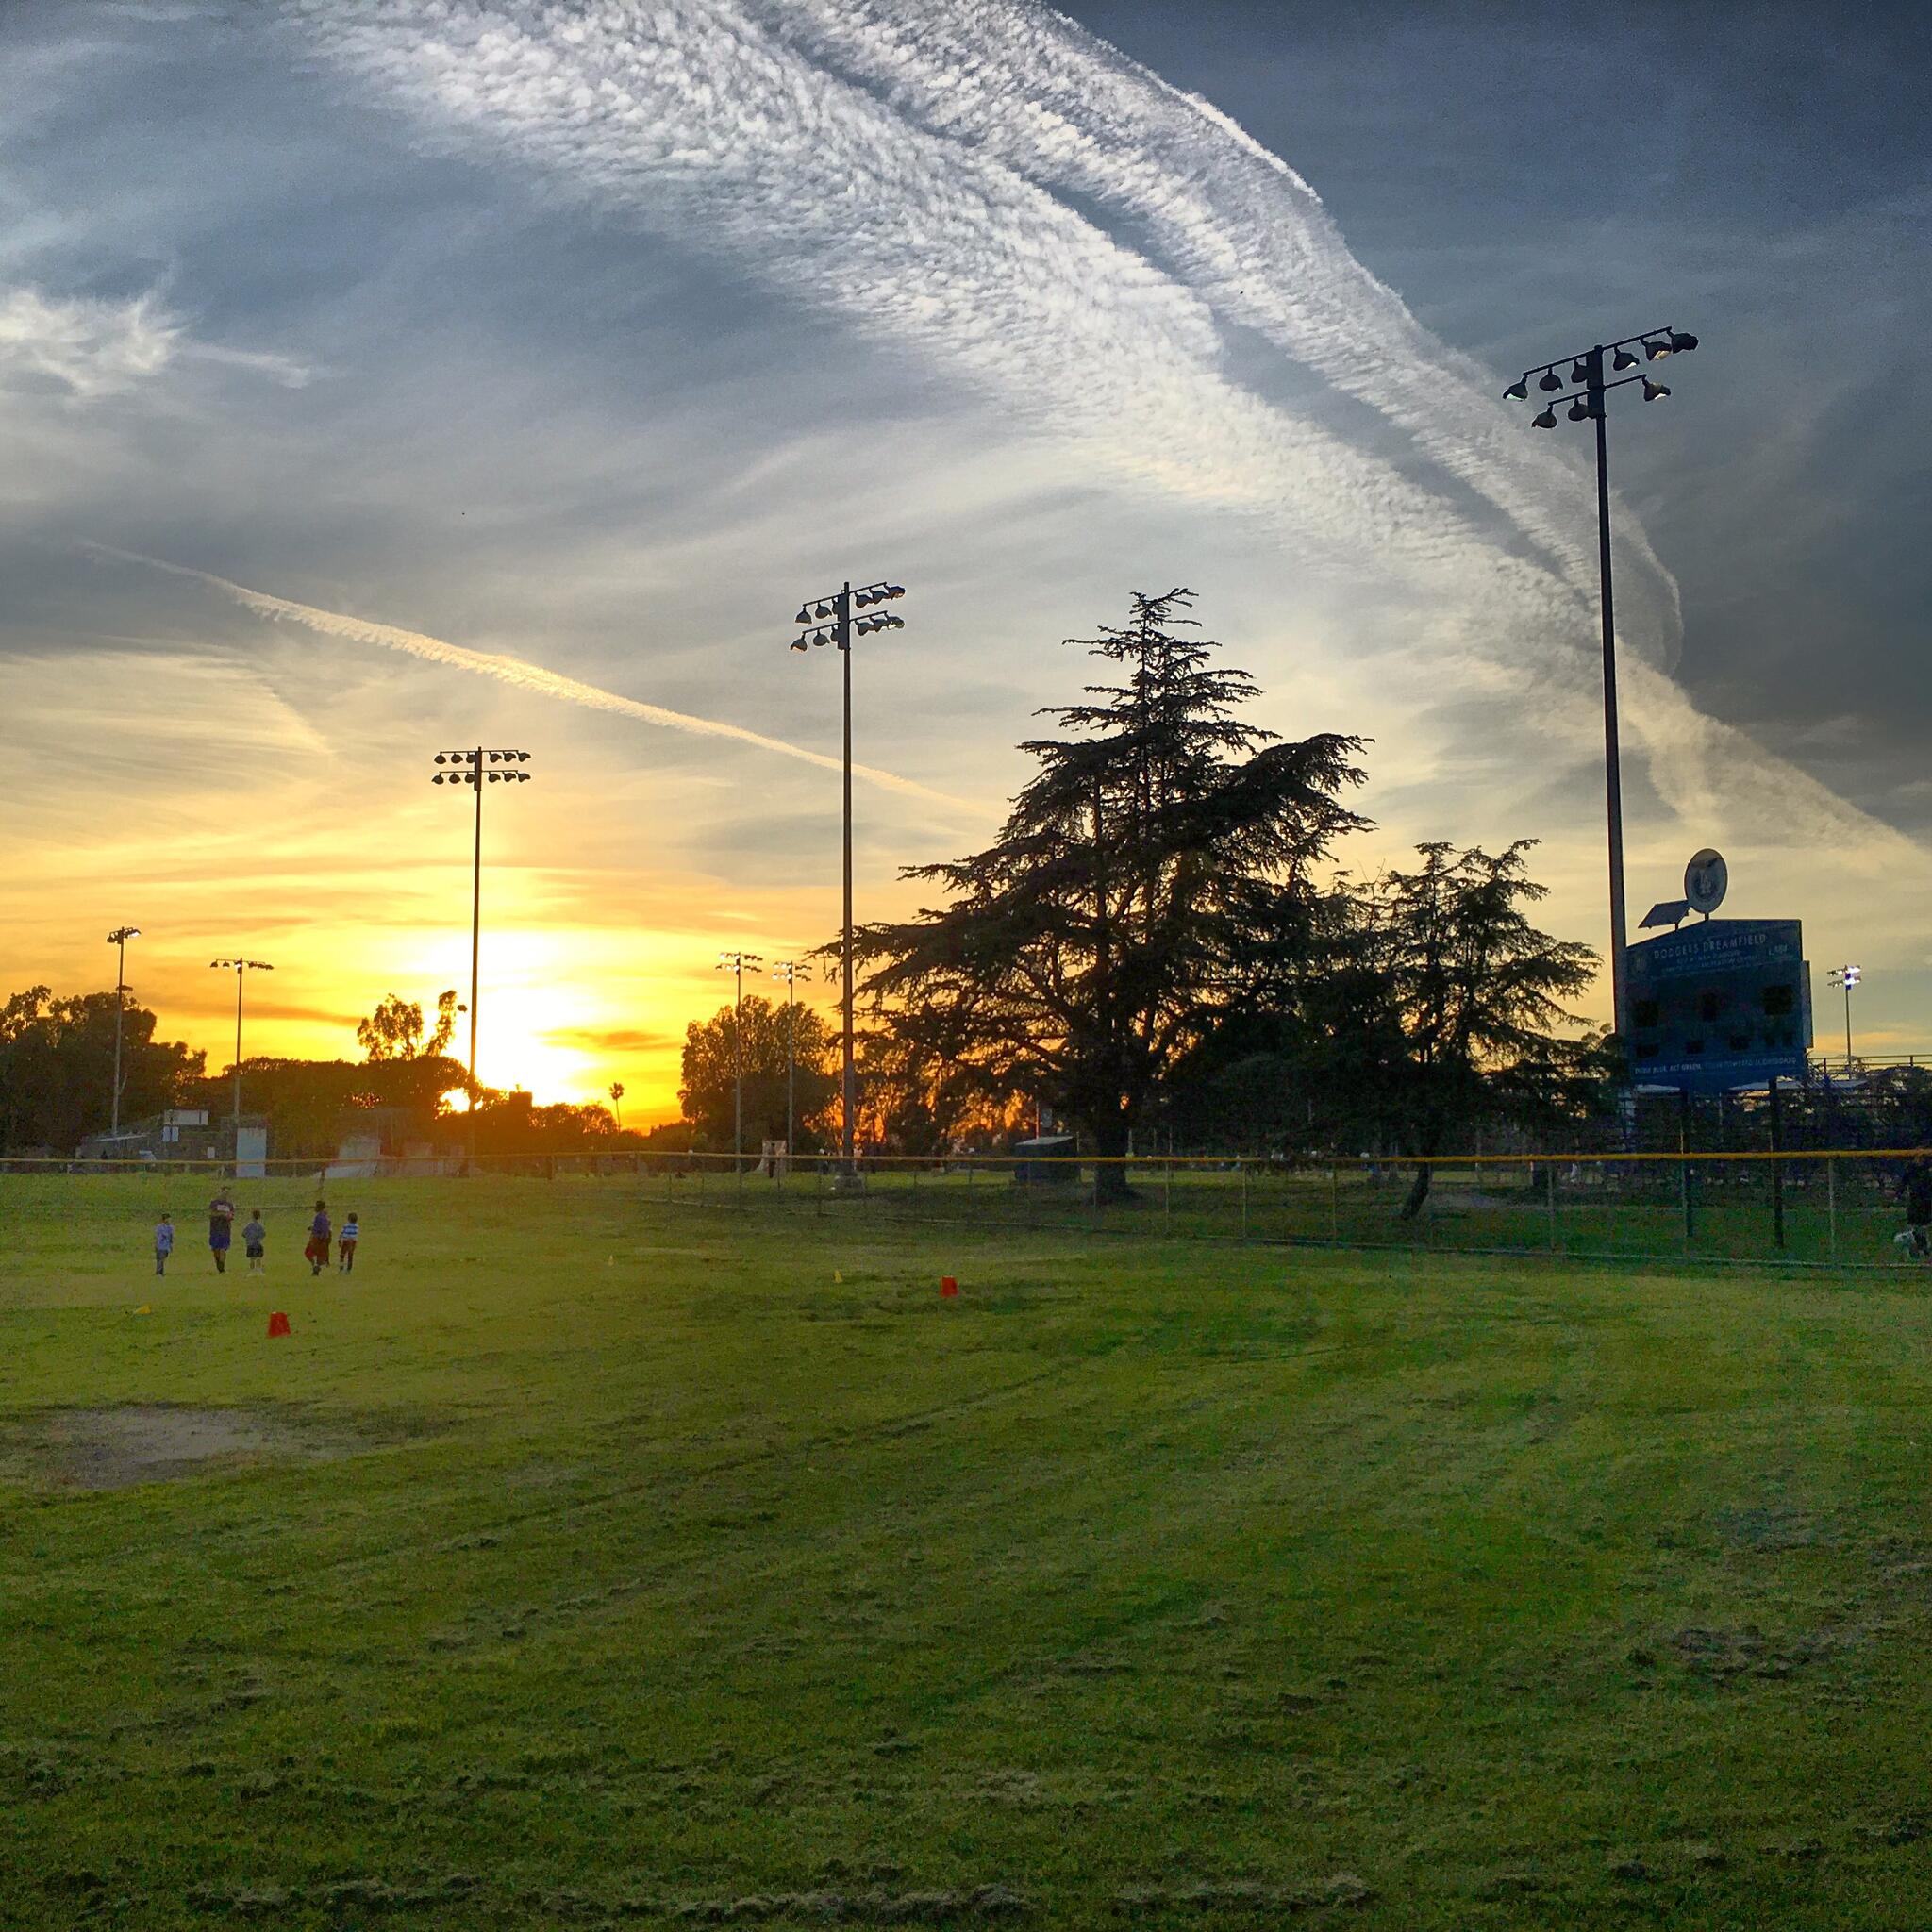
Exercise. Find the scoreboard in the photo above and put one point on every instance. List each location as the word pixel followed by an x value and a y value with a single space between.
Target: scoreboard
pixel 1722 1003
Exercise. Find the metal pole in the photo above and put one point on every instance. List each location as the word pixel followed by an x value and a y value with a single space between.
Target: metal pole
pixel 737 1069
pixel 1613 771
pixel 1848 1029
pixel 1777 1170
pixel 241 969
pixel 475 943
pixel 844 640
pixel 120 1007
pixel 790 1062
pixel 1831 1200
pixel 1684 1164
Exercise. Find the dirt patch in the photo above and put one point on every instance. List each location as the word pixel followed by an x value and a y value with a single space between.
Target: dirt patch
pixel 149 1442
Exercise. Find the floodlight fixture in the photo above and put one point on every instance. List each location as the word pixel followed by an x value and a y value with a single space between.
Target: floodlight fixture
pixel 1621 360
pixel 1654 391
pixel 1550 381
pixel 1579 373
pixel 1657 347
pixel 1518 390
pixel 1544 418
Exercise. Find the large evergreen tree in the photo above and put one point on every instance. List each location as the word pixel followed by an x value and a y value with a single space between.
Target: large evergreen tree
pixel 1080 957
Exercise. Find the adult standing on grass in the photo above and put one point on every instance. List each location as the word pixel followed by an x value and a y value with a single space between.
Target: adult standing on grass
pixel 221 1229
pixel 320 1230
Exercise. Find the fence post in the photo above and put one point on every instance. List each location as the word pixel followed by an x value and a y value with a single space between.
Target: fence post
pixel 1167 1189
pixel 1242 1167
pixel 1831 1201
pixel 1550 1201
pixel 1334 1202
pixel 1778 1172
pixel 1684 1164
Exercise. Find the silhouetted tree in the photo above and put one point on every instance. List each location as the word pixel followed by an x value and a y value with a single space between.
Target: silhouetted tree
pixel 711 1060
pixel 1097 943
pixel 394 1030
pixel 1457 996
pixel 56 1067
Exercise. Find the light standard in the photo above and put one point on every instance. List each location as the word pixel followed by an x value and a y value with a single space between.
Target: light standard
pixel 791 973
pixel 475 769
pixel 1847 977
pixel 1588 379
pixel 734 963
pixel 833 614
pixel 241 969
pixel 118 938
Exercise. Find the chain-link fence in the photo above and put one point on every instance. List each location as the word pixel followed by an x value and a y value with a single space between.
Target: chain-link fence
pixel 1843 1207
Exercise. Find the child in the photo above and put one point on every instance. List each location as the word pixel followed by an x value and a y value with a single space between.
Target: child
pixel 319 1232
pixel 255 1238
pixel 345 1244
pixel 164 1243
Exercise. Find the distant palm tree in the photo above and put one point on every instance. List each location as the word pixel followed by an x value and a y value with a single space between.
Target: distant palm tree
pixel 617 1101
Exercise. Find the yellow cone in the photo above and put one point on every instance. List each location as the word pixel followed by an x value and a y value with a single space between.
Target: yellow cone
pixel 145 1309
pixel 837 1276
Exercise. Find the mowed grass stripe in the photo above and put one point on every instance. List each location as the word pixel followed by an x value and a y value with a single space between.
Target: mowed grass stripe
pixel 673 1574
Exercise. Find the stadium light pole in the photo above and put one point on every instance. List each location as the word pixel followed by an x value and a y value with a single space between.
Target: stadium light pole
pixel 828 620
pixel 734 963
pixel 241 969
pixel 477 768
pixel 1847 977
pixel 118 938
pixel 1594 372
pixel 791 973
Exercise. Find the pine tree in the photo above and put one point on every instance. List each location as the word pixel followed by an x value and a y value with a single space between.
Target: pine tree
pixel 1080 957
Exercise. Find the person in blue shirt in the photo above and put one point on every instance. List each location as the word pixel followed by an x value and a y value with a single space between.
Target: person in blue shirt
pixel 164 1243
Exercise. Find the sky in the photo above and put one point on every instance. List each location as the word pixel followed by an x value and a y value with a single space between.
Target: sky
pixel 383 377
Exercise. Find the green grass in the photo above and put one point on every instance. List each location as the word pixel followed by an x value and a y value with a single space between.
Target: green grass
pixel 673 1579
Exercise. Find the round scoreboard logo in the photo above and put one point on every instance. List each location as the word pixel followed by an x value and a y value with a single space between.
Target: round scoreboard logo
pixel 1706 879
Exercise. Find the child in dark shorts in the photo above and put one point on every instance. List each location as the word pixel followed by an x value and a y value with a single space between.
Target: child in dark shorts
pixel 255 1238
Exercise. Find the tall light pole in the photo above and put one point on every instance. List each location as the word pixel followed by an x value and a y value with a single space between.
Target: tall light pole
pixel 734 963
pixel 118 938
pixel 241 969
pixel 791 973
pixel 1592 377
pixel 833 615
pixel 1847 977
pixel 476 769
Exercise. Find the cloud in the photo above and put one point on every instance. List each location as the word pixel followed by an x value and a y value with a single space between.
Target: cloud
pixel 88 348
pixel 905 169
pixel 514 672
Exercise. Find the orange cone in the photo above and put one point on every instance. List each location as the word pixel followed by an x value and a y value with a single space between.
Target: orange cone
pixel 277 1325
pixel 948 1286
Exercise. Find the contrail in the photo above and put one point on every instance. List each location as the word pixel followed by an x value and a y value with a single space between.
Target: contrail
pixel 513 671
pixel 901 165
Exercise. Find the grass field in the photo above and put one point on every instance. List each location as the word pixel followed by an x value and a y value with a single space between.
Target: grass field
pixel 585 1559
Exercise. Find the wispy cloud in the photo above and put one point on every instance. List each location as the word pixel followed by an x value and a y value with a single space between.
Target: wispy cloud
pixel 515 672
pixel 903 167
pixel 88 348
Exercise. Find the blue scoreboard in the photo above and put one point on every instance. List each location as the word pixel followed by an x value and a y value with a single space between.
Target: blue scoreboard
pixel 1724 1003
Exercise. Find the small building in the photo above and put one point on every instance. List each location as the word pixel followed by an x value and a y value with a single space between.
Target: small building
pixel 186 1133
pixel 1046 1160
